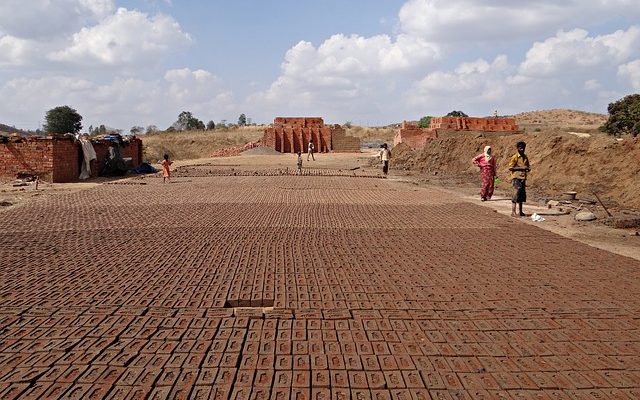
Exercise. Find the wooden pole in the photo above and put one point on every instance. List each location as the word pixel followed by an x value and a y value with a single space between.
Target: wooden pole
pixel 600 201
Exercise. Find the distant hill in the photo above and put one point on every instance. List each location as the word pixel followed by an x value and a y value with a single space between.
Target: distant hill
pixel 10 129
pixel 561 118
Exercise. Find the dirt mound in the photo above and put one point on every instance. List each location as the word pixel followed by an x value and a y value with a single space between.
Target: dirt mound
pixel 559 162
pixel 261 150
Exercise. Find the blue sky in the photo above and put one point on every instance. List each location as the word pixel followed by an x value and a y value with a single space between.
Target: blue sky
pixel 371 62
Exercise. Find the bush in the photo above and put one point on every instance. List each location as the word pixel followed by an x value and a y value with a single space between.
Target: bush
pixel 624 116
pixel 424 122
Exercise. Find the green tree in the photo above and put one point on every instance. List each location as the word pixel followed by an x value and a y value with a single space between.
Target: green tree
pixel 624 116
pixel 136 130
pixel 211 125
pixel 187 122
pixel 424 122
pixel 62 119
pixel 456 114
pixel 242 120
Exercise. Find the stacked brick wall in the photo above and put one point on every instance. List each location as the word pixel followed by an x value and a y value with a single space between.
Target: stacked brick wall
pixel 342 142
pixel 292 135
pixel 66 161
pixel 39 156
pixel 413 135
pixel 474 124
pixel 56 159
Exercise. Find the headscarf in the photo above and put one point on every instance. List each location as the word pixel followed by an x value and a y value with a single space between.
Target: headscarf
pixel 487 155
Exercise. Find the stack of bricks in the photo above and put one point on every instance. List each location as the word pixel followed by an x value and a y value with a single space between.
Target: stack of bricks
pixel 474 124
pixel 234 151
pixel 56 158
pixel 292 135
pixel 52 158
pixel 413 135
pixel 342 142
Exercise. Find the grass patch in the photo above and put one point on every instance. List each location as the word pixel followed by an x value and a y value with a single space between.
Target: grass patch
pixel 191 145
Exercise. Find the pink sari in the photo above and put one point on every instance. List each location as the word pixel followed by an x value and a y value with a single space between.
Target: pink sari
pixel 487 172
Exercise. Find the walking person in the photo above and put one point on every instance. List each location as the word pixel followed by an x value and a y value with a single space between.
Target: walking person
pixel 166 171
pixel 487 164
pixel 310 149
pixel 385 155
pixel 299 172
pixel 519 167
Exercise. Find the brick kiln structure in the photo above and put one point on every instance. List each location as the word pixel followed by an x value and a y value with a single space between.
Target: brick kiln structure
pixel 292 135
pixel 56 158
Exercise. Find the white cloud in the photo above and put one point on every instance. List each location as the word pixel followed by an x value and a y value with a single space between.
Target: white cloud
pixel 122 102
pixel 15 52
pixel 344 74
pixel 44 19
pixel 631 72
pixel 592 84
pixel 568 51
pixel 124 38
pixel 488 20
pixel 472 84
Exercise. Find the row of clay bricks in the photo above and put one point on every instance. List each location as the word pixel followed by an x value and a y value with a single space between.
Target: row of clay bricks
pixel 76 381
pixel 200 173
pixel 200 392
pixel 324 337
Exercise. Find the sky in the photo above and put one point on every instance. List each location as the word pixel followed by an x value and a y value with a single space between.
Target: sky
pixel 125 63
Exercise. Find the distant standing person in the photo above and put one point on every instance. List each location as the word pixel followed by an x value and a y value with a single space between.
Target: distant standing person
pixel 519 167
pixel 385 155
pixel 166 171
pixel 299 172
pixel 310 149
pixel 487 164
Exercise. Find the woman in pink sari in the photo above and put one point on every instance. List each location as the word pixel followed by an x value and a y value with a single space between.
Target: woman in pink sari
pixel 487 164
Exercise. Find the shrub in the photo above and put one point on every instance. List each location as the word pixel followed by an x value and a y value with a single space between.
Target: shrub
pixel 624 116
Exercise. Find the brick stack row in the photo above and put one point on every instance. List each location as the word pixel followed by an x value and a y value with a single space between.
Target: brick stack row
pixel 234 151
pixel 474 124
pixel 342 142
pixel 413 135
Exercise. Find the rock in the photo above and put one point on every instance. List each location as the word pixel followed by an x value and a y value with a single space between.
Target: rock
pixel 553 203
pixel 585 216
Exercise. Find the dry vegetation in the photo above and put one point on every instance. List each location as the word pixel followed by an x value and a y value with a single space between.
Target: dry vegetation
pixel 559 120
pixel 196 144
pixel 367 133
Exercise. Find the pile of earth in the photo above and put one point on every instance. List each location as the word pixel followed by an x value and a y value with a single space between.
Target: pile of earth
pixel 261 150
pixel 561 162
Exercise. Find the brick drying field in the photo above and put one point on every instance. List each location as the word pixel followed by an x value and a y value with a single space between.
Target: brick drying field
pixel 321 287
